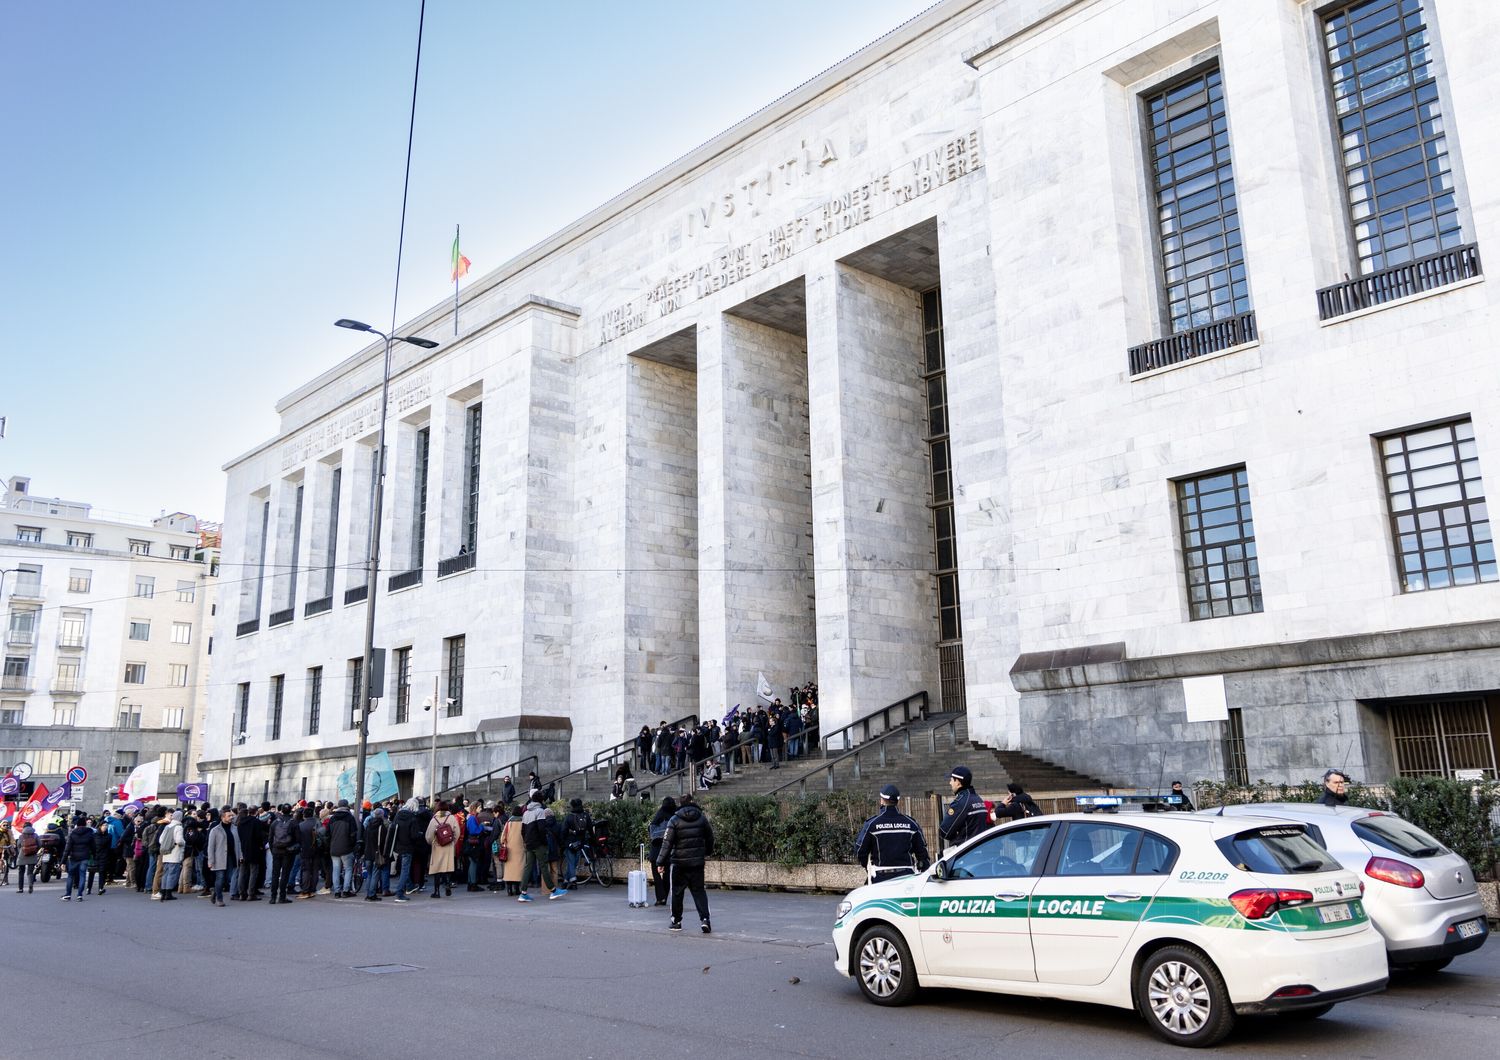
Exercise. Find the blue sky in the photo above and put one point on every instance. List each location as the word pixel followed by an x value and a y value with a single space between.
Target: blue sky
pixel 194 191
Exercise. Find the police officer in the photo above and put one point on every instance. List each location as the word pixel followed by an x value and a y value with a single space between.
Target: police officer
pixel 890 843
pixel 1186 805
pixel 967 815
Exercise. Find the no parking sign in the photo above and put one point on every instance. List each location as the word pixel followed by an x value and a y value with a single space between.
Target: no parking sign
pixel 77 775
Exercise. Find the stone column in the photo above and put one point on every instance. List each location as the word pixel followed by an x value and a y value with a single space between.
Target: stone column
pixel 872 528
pixel 755 589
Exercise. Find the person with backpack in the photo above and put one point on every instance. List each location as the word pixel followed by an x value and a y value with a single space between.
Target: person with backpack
pixel 1017 805
pixel 536 834
pixel 377 857
pixel 28 850
pixel 284 842
pixel 173 849
pixel 578 832
pixel 479 834
pixel 442 836
pixel 403 846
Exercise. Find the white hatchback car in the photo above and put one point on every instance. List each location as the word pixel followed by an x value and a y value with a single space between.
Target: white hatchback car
pixel 1187 918
pixel 1421 896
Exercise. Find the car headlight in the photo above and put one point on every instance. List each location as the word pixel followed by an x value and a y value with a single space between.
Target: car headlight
pixel 844 909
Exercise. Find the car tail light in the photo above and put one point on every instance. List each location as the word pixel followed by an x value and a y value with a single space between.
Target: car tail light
pixel 1389 870
pixel 1301 990
pixel 1257 904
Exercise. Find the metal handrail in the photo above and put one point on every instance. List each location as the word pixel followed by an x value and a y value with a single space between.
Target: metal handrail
pixel 611 753
pixel 511 767
pixel 884 714
pixel 827 768
pixel 726 757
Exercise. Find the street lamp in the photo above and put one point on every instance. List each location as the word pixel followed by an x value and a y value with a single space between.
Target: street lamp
pixel 372 565
pixel 428 704
pixel 234 738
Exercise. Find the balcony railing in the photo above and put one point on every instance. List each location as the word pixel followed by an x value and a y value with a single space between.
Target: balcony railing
pixel 356 594
pixel 20 637
pixel 248 626
pixel 71 643
pixel 282 617
pixel 15 683
pixel 317 607
pixel 1400 281
pixel 1198 342
pixel 67 686
pixel 26 590
pixel 404 580
pixel 461 562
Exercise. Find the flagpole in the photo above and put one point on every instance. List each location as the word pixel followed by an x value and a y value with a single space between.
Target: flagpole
pixel 455 286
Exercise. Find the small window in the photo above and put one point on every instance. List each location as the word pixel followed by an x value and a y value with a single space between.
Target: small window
pixel 140 630
pixel 11 712
pixel 177 675
pixel 1156 858
pixel 182 632
pixel 1278 850
pixel 62 715
pixel 79 580
pixel 77 540
pixel 140 548
pixel 1098 850
pixel 130 716
pixel 171 763
pixel 180 551
pixel 135 673
pixel 171 718
pixel 187 592
pixel 1010 854
pixel 32 534
pixel 125 763
pixel 145 588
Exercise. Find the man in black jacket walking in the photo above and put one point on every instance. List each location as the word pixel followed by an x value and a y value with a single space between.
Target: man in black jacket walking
pixel 688 843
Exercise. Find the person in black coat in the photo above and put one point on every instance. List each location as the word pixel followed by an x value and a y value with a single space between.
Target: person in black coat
pixel 1017 805
pixel 403 845
pixel 77 851
pixel 307 851
pixel 343 834
pixel 966 816
pixel 378 868
pixel 99 865
pixel 252 867
pixel 688 842
pixel 658 832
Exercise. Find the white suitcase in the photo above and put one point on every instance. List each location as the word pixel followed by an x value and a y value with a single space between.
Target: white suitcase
pixel 635 886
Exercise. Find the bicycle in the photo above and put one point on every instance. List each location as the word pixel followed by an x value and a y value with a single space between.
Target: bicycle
pixel 587 871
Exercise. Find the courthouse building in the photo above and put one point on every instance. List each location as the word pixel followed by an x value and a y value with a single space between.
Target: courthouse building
pixel 1118 371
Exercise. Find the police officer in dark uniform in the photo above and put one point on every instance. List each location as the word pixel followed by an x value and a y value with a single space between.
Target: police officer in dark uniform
pixel 890 843
pixel 967 815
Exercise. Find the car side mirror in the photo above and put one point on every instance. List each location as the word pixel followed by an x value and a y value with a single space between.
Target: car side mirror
pixel 940 870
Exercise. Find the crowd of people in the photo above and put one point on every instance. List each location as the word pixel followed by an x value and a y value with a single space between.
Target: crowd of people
pixel 774 733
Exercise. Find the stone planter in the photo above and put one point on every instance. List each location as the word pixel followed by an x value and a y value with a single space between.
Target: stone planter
pixel 759 875
pixel 1489 894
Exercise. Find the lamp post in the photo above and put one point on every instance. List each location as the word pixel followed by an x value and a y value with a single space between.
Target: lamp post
pixel 234 738
pixel 372 563
pixel 431 703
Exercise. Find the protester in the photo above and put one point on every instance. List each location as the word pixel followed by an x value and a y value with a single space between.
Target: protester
pixel 79 849
pixel 224 855
pixel 173 852
pixel 657 832
pixel 688 842
pixel 536 834
pixel 442 836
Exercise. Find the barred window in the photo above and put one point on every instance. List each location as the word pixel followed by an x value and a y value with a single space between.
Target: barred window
pixel 403 685
pixel 454 653
pixel 314 699
pixel 471 479
pixel 1439 518
pixel 1218 544
pixel 1197 212
pixel 244 710
pixel 356 691
pixel 1398 176
pixel 278 692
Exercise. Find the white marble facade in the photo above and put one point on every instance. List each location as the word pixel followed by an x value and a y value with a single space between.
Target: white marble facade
pixel 703 418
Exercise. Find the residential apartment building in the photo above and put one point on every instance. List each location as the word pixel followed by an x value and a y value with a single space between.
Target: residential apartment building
pixel 108 634
pixel 1115 370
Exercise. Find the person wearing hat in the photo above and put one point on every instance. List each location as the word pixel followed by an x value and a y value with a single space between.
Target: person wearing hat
pixel 967 815
pixel 1186 805
pixel 891 844
pixel 578 832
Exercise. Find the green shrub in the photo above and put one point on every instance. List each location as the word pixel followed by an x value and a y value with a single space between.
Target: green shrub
pixel 1208 794
pixel 746 827
pixel 628 821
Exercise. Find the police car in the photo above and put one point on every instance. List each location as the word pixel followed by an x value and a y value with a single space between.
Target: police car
pixel 1189 919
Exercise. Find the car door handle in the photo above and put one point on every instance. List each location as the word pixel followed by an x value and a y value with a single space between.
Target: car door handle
pixel 1009 896
pixel 1122 896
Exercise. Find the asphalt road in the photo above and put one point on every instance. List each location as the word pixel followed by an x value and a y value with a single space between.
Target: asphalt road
pixel 584 976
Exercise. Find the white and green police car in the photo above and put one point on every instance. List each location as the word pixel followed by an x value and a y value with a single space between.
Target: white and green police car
pixel 1188 918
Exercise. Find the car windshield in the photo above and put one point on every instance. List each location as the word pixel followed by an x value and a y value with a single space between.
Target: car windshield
pixel 1278 850
pixel 1401 836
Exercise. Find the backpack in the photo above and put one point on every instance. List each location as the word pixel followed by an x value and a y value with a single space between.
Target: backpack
pixel 166 844
pixel 29 845
pixel 282 835
pixel 442 835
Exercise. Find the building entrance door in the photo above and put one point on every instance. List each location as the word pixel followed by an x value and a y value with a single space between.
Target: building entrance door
pixel 1444 737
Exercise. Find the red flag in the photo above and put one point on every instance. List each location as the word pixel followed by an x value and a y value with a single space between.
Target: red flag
pixel 33 808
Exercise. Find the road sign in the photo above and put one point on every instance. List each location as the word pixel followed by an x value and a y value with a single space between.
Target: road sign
pixel 22 771
pixel 77 775
pixel 9 785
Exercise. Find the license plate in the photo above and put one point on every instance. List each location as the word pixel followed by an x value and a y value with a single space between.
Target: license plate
pixel 46 858
pixel 1469 928
pixel 1333 914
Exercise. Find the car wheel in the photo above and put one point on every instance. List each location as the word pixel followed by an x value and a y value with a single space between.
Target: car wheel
pixel 1307 1013
pixel 883 967
pixel 1423 967
pixel 1181 995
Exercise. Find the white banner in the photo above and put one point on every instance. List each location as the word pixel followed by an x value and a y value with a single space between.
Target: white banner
pixel 143 781
pixel 763 688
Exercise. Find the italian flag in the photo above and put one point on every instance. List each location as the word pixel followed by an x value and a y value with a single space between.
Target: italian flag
pixel 460 263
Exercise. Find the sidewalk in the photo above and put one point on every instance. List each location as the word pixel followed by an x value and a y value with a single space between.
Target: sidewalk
pixel 752 916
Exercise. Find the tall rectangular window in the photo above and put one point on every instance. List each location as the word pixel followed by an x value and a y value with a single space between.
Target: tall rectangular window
pixel 314 700
pixel 135 673
pixel 1197 212
pixel 171 763
pixel 295 573
pixel 403 684
pixel 1218 544
pixel 1439 518
pixel 177 675
pixel 244 710
pixel 419 502
pixel 1398 177
pixel 140 630
pixel 333 530
pixel 356 691
pixel 70 630
pixel 453 652
pixel 471 480
pixel 278 694
pixel 130 716
pixel 69 677
pixel 260 572
pixel 145 587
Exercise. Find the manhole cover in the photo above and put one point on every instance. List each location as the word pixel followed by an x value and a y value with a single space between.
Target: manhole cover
pixel 384 969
